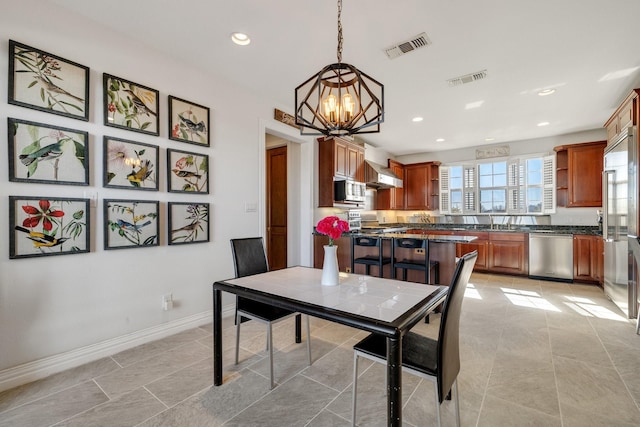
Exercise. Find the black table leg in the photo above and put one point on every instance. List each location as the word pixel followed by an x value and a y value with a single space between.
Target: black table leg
pixel 298 328
pixel 394 381
pixel 217 337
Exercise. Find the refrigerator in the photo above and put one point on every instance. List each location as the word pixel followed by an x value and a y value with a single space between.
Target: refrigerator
pixel 620 201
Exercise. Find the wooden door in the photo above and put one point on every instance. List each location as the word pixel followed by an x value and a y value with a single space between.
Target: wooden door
pixel 277 207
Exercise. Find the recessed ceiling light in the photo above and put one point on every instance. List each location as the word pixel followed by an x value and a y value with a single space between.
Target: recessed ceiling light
pixel 240 38
pixel 472 105
pixel 417 119
pixel 489 139
pixel 440 140
pixel 546 92
pixel 543 124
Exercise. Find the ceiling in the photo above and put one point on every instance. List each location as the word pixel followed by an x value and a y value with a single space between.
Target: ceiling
pixel 588 50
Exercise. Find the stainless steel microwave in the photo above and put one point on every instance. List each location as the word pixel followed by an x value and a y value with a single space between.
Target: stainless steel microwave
pixel 349 191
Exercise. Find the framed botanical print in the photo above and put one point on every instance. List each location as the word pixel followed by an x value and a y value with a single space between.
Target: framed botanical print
pixel 46 82
pixel 131 224
pixel 187 172
pixel 129 105
pixel 188 122
pixel 44 226
pixel 47 154
pixel 188 223
pixel 129 165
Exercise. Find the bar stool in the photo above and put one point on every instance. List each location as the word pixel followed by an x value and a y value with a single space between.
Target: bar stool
pixel 424 264
pixel 368 260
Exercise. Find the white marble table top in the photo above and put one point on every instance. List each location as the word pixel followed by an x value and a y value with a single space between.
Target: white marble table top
pixel 373 297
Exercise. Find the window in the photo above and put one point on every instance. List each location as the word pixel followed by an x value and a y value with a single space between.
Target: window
pixel 506 186
pixel 493 187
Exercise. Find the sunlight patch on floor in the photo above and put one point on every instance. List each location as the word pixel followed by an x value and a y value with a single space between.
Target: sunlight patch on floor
pixel 588 308
pixel 530 299
pixel 471 292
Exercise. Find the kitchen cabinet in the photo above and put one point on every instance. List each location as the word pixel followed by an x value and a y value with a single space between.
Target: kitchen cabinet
pixel 338 158
pixel 349 160
pixel 421 186
pixel 508 253
pixel 392 198
pixel 579 174
pixel 588 258
pixel 625 116
pixel 481 244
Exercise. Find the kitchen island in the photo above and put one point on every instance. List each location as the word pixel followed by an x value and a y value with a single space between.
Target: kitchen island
pixel 441 249
pixel 502 249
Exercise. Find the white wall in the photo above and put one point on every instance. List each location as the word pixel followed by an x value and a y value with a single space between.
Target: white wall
pixel 53 305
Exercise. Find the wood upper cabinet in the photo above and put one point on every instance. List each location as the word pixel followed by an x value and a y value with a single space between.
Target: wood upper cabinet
pixel 392 198
pixel 508 253
pixel 421 186
pixel 626 115
pixel 349 160
pixel 588 258
pixel 337 158
pixel 579 174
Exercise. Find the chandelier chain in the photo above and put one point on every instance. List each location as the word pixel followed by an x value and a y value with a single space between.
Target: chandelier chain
pixel 339 31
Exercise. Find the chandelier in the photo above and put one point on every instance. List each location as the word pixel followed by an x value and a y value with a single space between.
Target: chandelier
pixel 340 99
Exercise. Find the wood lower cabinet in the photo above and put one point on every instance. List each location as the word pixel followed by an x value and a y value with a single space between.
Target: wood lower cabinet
pixel 588 258
pixel 508 253
pixel 481 244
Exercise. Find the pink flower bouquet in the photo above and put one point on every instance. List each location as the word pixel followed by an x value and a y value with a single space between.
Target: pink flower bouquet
pixel 333 227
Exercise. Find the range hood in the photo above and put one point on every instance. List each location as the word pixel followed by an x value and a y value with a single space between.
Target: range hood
pixel 378 176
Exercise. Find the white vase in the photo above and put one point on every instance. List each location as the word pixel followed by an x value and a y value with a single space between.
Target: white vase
pixel 330 275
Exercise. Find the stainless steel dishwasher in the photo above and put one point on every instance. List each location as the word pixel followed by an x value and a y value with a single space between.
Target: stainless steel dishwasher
pixel 551 256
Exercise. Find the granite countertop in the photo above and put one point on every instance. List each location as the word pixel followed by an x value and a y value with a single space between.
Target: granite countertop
pixel 559 229
pixel 430 237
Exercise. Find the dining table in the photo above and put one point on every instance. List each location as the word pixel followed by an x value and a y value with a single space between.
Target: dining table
pixel 377 305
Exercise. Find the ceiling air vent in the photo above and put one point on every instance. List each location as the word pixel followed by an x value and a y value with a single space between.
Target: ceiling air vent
pixel 399 49
pixel 468 78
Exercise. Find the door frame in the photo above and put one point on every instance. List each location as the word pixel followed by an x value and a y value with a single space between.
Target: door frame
pixel 300 172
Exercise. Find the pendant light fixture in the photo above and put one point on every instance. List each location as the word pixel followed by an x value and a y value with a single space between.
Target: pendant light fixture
pixel 340 99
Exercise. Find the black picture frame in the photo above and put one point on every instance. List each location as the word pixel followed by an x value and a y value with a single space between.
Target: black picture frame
pixel 131 223
pixel 57 156
pixel 129 165
pixel 131 106
pixel 48 226
pixel 47 82
pixel 187 172
pixel 189 122
pixel 188 223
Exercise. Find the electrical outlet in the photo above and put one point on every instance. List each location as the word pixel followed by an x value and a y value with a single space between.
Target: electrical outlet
pixel 167 302
pixel 348 269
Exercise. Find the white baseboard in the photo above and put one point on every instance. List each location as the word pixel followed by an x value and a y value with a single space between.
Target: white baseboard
pixel 42 368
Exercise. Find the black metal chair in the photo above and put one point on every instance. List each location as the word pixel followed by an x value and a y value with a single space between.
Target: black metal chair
pixel 249 258
pixel 428 267
pixel 378 260
pixel 438 361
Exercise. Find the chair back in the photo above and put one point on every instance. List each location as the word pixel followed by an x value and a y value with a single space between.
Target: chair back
pixel 410 243
pixel 448 337
pixel 366 241
pixel 249 256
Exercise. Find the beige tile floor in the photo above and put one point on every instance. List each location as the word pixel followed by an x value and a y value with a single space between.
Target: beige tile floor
pixel 534 353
